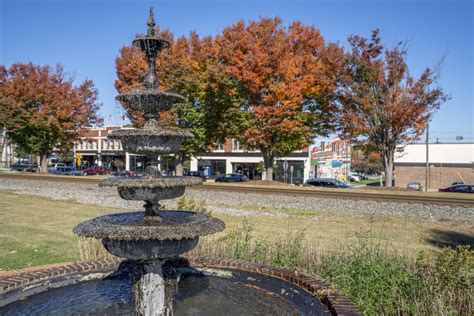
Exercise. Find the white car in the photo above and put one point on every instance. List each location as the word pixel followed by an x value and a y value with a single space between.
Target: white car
pixel 354 177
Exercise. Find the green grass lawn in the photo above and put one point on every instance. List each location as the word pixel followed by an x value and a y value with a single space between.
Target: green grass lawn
pixel 37 231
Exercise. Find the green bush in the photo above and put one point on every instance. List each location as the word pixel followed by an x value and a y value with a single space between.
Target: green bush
pixel 193 205
pixel 377 280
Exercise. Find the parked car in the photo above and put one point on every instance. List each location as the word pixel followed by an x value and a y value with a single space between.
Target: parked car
pixel 66 171
pixel 327 183
pixel 232 177
pixel 53 167
pixel 415 186
pixel 199 174
pixel 124 173
pixel 459 188
pixel 24 166
pixel 354 177
pixel 95 170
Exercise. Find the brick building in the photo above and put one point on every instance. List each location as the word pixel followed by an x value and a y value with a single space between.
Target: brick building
pixel 448 163
pixel 331 159
pixel 97 150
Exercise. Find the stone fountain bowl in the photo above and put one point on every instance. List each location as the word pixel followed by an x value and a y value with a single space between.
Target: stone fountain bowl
pixel 151 141
pixel 149 100
pixel 132 236
pixel 150 45
pixel 151 189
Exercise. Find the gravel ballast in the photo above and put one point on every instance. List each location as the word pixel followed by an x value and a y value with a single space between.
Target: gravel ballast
pixel 240 204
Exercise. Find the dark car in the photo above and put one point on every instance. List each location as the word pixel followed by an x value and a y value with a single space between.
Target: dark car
pixel 232 177
pixel 460 188
pixel 66 171
pixel 327 183
pixel 456 183
pixel 125 173
pixel 95 170
pixel 198 174
pixel 24 166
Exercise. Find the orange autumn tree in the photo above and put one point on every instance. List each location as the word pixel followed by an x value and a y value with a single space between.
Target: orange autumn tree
pixel 189 68
pixel 382 105
pixel 286 78
pixel 42 110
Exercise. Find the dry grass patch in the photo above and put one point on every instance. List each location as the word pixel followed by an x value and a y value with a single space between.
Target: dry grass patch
pixel 37 231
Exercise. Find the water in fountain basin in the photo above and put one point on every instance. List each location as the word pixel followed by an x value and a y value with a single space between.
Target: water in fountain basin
pixel 219 292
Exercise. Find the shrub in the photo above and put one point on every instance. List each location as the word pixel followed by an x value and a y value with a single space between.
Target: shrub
pixel 91 249
pixel 193 205
pixel 375 278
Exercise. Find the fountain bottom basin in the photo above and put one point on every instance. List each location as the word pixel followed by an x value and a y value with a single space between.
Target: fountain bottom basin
pixel 202 291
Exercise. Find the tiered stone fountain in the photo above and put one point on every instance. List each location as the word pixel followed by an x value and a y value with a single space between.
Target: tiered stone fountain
pixel 151 237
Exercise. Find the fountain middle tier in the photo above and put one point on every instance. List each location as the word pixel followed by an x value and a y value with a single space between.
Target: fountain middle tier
pixel 132 228
pixel 149 101
pixel 152 140
pixel 150 188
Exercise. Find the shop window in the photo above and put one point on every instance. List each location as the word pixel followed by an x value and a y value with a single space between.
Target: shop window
pixel 212 168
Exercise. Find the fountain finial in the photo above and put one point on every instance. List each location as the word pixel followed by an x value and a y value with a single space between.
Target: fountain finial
pixel 151 22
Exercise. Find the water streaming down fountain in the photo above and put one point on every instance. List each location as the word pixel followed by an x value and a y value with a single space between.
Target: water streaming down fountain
pixel 150 238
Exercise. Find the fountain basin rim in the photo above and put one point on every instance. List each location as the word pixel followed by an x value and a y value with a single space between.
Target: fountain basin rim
pixel 144 182
pixel 175 225
pixel 23 283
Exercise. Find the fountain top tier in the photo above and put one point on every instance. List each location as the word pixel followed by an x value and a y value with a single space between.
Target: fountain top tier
pixel 152 140
pixel 148 99
pixel 151 45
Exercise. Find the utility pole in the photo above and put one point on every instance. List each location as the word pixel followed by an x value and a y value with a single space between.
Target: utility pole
pixel 427 170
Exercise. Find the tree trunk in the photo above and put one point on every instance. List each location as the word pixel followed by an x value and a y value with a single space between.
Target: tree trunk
pixel 387 160
pixel 268 161
pixel 44 157
pixel 179 159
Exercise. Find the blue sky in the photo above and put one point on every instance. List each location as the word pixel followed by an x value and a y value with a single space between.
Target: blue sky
pixel 85 37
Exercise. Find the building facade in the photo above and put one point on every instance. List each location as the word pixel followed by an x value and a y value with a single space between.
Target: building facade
pixel 331 159
pixel 447 163
pixel 232 157
pixel 95 148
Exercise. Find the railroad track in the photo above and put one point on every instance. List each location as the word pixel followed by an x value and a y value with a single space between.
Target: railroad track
pixel 357 195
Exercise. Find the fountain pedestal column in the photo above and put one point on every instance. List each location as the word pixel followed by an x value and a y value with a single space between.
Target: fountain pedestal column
pixel 154 288
pixel 149 238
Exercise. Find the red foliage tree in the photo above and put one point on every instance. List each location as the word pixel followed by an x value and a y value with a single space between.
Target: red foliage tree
pixel 188 67
pixel 42 110
pixel 286 79
pixel 382 105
